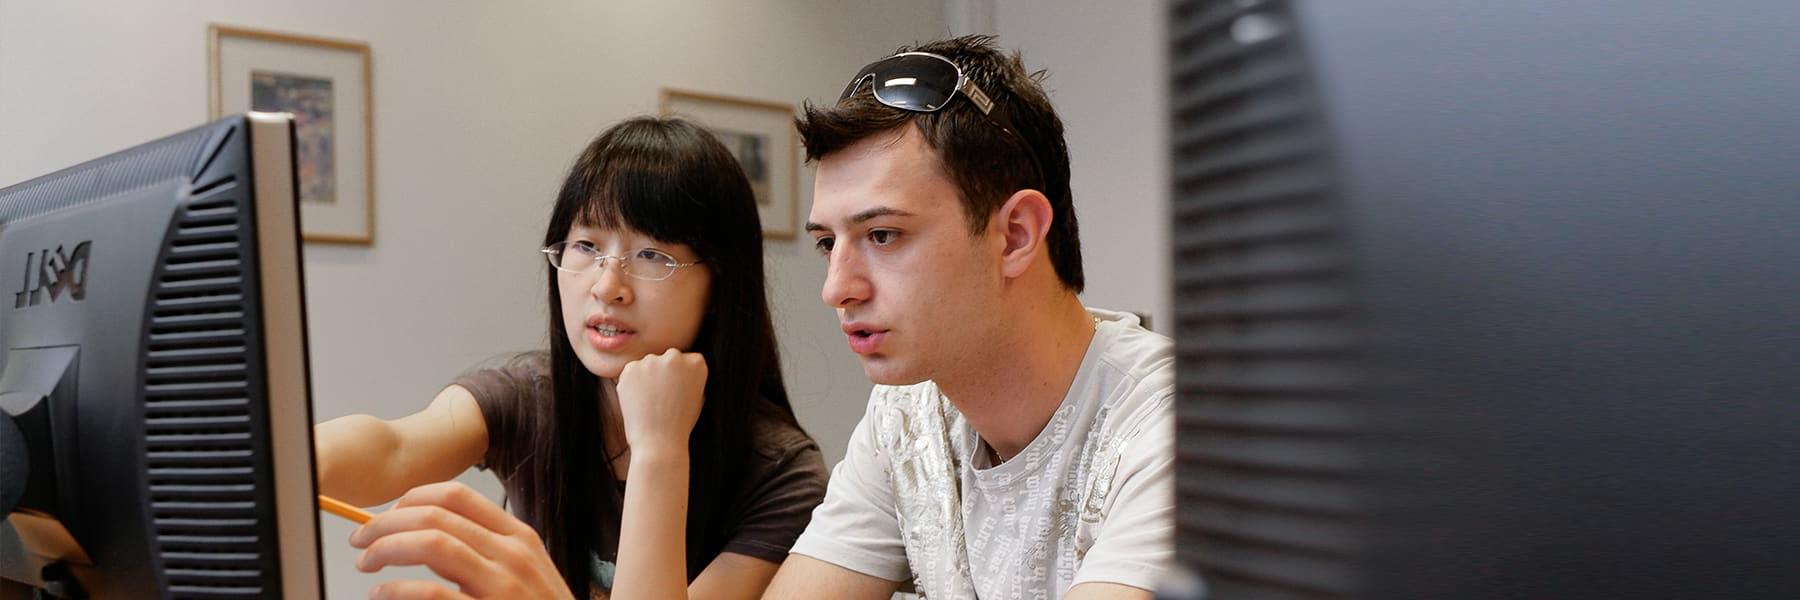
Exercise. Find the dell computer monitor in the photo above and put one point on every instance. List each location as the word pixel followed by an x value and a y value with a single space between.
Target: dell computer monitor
pixel 156 438
pixel 1484 299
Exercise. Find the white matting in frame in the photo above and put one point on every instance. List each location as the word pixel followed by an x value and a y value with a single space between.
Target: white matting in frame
pixel 325 83
pixel 761 135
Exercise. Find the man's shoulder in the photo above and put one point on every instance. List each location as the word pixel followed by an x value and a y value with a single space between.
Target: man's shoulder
pixel 1133 378
pixel 1138 353
pixel 1142 362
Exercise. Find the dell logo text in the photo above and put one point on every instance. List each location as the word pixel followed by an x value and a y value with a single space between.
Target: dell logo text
pixel 54 274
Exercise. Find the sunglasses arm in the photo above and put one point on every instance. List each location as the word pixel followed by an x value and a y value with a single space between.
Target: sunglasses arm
pixel 974 94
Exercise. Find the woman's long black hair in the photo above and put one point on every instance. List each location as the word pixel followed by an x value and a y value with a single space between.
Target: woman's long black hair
pixel 674 182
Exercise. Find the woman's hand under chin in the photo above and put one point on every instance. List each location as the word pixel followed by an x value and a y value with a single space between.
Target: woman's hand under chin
pixel 660 396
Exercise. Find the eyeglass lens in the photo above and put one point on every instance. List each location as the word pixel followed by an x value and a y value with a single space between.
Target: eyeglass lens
pixel 581 258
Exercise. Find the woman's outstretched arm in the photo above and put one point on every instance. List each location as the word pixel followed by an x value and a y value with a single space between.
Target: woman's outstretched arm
pixel 367 461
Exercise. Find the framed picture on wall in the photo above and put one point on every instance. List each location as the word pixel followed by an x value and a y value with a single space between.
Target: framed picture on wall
pixel 325 83
pixel 761 134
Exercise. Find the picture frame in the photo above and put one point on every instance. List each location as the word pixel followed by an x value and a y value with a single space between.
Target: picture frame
pixel 760 133
pixel 327 84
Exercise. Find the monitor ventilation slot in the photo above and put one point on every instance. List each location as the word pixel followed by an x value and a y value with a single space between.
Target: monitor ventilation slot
pixel 1264 456
pixel 199 403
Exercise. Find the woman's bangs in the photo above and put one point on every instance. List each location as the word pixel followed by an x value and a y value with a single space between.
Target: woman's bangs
pixel 639 196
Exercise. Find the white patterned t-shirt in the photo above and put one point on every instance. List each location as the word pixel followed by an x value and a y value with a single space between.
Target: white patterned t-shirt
pixel 1090 499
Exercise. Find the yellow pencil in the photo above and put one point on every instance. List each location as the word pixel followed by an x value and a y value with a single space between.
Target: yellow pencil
pixel 343 509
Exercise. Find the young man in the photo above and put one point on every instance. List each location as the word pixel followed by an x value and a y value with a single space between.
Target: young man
pixel 1017 444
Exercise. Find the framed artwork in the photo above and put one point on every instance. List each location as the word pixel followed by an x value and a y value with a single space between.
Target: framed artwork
pixel 761 134
pixel 325 84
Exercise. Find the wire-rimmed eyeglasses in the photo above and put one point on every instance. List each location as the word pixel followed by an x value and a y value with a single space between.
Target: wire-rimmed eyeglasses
pixel 644 263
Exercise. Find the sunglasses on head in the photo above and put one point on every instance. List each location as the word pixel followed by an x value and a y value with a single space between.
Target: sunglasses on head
pixel 925 82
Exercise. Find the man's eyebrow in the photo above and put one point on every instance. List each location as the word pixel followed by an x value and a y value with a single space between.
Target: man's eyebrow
pixel 877 212
pixel 861 217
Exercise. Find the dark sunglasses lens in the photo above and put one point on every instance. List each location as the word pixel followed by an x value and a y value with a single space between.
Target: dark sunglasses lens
pixel 917 83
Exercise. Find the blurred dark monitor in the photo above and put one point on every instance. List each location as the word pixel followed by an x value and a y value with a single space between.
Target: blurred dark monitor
pixel 155 428
pixel 1483 299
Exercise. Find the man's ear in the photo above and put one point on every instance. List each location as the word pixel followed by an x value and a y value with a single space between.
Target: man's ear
pixel 1024 222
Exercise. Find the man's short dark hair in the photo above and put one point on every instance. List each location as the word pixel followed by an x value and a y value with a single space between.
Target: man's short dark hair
pixel 986 163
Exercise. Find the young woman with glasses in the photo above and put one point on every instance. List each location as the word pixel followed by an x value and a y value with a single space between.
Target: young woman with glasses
pixel 662 372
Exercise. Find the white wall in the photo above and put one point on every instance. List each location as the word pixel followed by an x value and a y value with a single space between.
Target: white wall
pixel 479 108
pixel 1107 63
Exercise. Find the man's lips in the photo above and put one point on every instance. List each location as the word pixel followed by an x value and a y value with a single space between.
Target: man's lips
pixel 865 338
pixel 860 327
